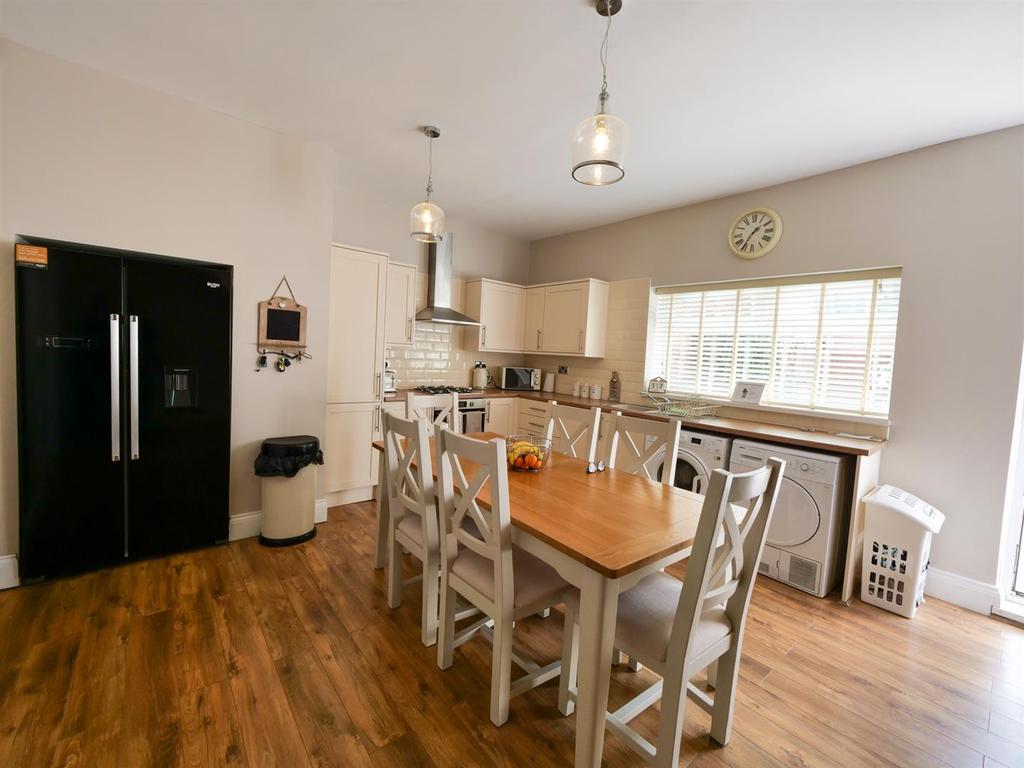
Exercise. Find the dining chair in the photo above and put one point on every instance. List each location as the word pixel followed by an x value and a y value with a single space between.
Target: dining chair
pixel 640 446
pixel 414 523
pixel 437 409
pixel 576 430
pixel 678 628
pixel 480 564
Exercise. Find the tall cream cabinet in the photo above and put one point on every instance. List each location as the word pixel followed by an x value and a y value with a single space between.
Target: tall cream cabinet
pixel 568 318
pixel 500 308
pixel 355 367
pixel 400 310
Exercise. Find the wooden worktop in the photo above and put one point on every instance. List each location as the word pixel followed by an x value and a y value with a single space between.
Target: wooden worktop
pixel 754 430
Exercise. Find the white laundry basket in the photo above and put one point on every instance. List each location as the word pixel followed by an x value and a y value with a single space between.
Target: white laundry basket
pixel 898 529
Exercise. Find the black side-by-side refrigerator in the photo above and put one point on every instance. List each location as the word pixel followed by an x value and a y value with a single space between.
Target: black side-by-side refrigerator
pixel 124 405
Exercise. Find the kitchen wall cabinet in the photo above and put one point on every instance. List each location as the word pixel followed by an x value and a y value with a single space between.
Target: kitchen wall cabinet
pixel 500 415
pixel 400 306
pixel 355 338
pixel 533 328
pixel 500 308
pixel 558 319
pixel 349 458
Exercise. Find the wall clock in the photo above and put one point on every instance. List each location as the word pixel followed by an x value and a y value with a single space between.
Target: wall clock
pixel 755 233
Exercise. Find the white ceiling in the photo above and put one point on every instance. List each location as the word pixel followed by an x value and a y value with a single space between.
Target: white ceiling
pixel 720 96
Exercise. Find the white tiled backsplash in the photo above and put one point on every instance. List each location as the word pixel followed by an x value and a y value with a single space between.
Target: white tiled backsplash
pixel 438 354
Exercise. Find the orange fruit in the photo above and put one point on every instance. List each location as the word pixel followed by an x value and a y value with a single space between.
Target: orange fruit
pixel 531 461
pixel 520 462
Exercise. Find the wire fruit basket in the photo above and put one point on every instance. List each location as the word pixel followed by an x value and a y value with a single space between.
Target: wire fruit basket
pixel 527 453
pixel 689 408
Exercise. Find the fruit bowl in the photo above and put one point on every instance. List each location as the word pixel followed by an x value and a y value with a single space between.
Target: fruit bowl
pixel 527 453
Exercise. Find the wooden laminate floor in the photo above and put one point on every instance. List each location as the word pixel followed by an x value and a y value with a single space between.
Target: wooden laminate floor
pixel 243 655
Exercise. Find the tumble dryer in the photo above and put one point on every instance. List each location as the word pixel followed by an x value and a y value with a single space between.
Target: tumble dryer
pixel 807 529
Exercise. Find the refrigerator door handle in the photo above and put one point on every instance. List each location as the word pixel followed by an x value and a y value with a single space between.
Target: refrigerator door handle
pixel 115 387
pixel 133 372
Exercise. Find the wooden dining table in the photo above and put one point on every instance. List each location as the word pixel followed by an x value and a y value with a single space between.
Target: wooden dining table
pixel 602 532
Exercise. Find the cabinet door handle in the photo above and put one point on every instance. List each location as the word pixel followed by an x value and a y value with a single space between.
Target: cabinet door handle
pixel 538 338
pixel 376 387
pixel 115 387
pixel 483 335
pixel 581 339
pixel 487 413
pixel 410 329
pixel 133 382
pixel 376 420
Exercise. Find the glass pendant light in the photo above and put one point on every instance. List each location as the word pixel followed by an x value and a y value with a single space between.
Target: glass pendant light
pixel 600 141
pixel 426 220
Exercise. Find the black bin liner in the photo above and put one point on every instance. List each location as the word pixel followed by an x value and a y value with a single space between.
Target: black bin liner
pixel 285 456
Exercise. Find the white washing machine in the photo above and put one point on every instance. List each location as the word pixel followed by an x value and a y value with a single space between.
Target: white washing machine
pixel 807 528
pixel 698 456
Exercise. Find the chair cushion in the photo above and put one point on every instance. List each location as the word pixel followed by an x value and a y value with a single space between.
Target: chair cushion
pixel 646 614
pixel 534 581
pixel 412 526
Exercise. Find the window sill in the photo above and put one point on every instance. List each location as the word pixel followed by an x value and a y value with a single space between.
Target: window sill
pixel 881 421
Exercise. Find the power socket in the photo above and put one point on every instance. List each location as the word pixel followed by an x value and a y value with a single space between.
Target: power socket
pixel 563 369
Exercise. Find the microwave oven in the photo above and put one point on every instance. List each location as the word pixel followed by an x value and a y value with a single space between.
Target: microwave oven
pixel 518 378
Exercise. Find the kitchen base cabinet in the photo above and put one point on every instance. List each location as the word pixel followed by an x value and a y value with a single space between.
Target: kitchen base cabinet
pixel 349 459
pixel 500 415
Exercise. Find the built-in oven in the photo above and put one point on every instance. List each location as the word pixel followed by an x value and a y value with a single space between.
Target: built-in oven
pixel 519 378
pixel 471 415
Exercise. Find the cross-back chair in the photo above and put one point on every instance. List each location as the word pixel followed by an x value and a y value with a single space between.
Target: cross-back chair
pixel 679 628
pixel 439 410
pixel 480 563
pixel 413 524
pixel 640 446
pixel 575 429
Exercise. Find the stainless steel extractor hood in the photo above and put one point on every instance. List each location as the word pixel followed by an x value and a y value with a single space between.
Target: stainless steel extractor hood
pixel 439 286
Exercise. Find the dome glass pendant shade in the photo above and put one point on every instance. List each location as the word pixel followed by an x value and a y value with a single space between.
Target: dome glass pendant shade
pixel 426 220
pixel 599 145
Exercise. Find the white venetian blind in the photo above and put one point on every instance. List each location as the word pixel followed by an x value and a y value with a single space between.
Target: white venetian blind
pixel 820 342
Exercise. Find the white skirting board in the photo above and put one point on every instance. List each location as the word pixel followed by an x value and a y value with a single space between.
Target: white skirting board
pixel 960 590
pixel 246 525
pixel 8 571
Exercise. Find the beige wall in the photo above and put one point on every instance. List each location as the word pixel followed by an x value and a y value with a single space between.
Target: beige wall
pixel 93 159
pixel 951 215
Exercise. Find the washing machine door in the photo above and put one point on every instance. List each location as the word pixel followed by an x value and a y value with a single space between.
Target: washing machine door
pixel 691 474
pixel 796 517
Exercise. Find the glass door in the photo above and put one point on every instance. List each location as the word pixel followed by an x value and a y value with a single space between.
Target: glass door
pixel 1018 581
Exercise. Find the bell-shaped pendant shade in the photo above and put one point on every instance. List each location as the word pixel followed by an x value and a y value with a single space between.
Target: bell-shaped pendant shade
pixel 598 149
pixel 426 223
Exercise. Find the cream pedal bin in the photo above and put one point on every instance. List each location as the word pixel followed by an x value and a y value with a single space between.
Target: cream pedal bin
pixel 287 470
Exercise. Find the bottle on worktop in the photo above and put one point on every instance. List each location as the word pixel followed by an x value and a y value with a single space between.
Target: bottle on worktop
pixel 615 388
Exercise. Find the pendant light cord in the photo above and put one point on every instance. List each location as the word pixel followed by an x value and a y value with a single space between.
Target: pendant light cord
pixel 603 96
pixel 430 166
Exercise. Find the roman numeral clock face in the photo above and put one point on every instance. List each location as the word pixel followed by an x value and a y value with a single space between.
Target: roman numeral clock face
pixel 755 233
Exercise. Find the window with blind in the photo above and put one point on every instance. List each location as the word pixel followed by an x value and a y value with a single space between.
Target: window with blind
pixel 817 342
